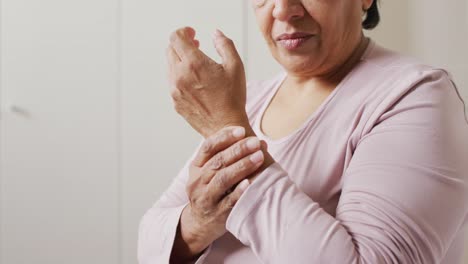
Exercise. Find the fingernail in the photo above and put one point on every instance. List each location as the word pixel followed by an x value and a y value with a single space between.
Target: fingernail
pixel 257 157
pixel 244 184
pixel 253 143
pixel 238 132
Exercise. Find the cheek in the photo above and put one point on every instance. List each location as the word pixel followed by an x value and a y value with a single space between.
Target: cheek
pixel 264 23
pixel 338 27
pixel 333 17
pixel 349 15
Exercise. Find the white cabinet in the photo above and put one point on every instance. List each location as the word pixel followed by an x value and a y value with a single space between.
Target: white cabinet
pixel 59 145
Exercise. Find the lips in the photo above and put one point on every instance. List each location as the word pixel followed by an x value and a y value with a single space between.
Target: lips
pixel 294 40
pixel 294 35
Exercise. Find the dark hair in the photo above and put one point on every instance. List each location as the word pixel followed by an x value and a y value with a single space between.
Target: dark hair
pixel 372 17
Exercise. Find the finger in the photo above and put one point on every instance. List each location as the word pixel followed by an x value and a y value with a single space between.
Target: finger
pixel 171 55
pixel 196 42
pixel 226 49
pixel 229 156
pixel 231 199
pixel 183 44
pixel 190 32
pixel 191 35
pixel 172 60
pixel 226 178
pixel 264 145
pixel 218 142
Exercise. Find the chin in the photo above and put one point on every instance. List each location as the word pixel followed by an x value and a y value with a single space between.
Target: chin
pixel 299 63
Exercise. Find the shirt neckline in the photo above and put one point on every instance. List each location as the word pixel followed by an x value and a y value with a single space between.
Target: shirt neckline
pixel 315 115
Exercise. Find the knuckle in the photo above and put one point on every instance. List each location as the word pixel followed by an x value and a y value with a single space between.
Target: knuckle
pixel 222 131
pixel 216 163
pixel 218 138
pixel 242 166
pixel 175 93
pixel 179 83
pixel 226 132
pixel 180 32
pixel 221 179
pixel 223 137
pixel 237 150
pixel 220 161
pixel 207 146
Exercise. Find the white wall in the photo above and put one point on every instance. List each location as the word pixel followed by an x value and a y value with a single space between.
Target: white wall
pixel 88 136
pixel 58 132
pixel 436 32
pixel 92 139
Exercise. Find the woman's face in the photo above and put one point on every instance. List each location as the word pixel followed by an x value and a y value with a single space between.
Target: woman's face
pixel 311 37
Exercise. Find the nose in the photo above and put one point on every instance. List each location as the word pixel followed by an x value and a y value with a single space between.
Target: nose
pixel 286 10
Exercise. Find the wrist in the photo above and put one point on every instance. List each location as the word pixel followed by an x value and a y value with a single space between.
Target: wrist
pixel 234 120
pixel 192 234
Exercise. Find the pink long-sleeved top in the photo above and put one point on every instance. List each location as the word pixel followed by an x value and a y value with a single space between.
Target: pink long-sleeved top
pixel 378 174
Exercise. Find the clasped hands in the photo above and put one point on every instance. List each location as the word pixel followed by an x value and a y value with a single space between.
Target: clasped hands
pixel 211 97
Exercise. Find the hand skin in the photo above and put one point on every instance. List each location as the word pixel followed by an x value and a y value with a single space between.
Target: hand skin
pixel 208 95
pixel 194 232
pixel 197 96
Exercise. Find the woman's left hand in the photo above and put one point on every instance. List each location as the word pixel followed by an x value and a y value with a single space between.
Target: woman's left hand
pixel 210 96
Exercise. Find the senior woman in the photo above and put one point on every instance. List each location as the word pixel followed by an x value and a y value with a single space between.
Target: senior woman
pixel 353 154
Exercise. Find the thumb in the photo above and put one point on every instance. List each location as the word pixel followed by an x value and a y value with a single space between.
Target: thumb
pixel 226 49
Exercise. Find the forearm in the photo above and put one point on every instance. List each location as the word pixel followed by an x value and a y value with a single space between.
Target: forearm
pixel 188 245
pixel 280 223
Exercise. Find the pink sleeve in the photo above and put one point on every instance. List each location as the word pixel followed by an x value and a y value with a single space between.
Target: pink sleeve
pixel 404 196
pixel 158 226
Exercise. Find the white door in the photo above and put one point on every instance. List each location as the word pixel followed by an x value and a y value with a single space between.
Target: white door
pixel 59 120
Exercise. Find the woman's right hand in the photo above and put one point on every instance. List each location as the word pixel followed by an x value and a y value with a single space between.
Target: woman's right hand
pixel 224 159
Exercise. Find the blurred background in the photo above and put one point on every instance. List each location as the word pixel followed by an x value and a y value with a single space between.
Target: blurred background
pixel 88 136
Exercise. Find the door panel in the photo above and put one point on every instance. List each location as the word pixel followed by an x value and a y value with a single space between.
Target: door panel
pixel 59 132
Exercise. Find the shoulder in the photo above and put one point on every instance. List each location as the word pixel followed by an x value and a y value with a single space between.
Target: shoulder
pixel 405 86
pixel 394 76
pixel 396 69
